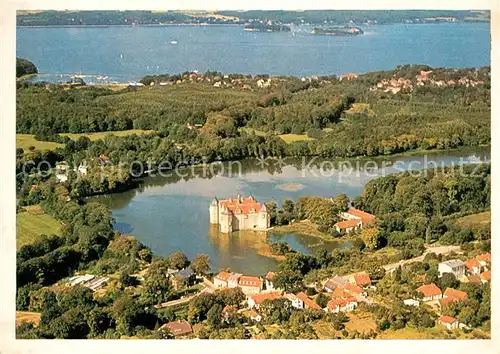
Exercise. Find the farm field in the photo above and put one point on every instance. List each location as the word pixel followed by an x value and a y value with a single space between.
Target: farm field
pixel 102 135
pixel 24 141
pixel 32 223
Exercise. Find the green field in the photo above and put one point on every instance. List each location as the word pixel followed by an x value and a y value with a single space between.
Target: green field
pixel 475 220
pixel 24 141
pixel 102 135
pixel 34 222
pixel 291 138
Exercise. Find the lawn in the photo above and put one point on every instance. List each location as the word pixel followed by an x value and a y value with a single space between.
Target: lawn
pixel 25 316
pixel 34 222
pixel 475 220
pixel 360 322
pixel 287 138
pixel 102 135
pixel 24 141
pixel 250 130
pixel 291 138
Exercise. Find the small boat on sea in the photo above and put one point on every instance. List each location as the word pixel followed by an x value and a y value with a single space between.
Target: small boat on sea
pixel 173 42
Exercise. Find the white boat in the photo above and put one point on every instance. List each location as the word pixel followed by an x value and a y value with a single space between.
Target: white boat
pixel 173 42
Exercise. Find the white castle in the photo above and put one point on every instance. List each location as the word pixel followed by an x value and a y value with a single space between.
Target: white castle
pixel 239 214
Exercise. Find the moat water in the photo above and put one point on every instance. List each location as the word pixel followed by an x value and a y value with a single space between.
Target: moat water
pixel 170 213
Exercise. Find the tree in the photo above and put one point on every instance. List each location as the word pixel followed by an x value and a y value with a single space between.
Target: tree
pixel 371 238
pixel 128 280
pixel 448 280
pixel 156 283
pixel 178 260
pixel 288 206
pixel 214 316
pixel 322 300
pixel 201 264
pixel 232 296
pixel 71 325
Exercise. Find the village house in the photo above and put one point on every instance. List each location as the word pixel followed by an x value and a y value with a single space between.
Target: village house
pixel 333 283
pixel 184 277
pixel 254 301
pixel 61 172
pixel 485 276
pixel 103 160
pixel 453 266
pixel 349 76
pixel 341 305
pixel 254 316
pixel 361 279
pixel 430 292
pixel 295 300
pixel 269 280
pixel 250 285
pixel 177 328
pixel 411 302
pixel 484 259
pixel 448 322
pixel 455 295
pixel 239 214
pixel 474 279
pixel 353 219
pixel 473 266
pixel 308 303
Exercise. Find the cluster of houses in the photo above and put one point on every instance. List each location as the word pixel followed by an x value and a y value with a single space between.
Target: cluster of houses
pixel 219 81
pixel 346 292
pixel 88 280
pixel 62 168
pixel 395 85
pixel 474 270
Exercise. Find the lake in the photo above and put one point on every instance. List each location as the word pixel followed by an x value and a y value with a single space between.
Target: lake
pixel 128 53
pixel 170 213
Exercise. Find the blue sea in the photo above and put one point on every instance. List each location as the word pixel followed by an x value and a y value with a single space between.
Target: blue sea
pixel 126 54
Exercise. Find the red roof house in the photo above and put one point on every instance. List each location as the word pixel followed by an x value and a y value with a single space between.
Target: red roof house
pixel 178 328
pixel 430 292
pixel 455 294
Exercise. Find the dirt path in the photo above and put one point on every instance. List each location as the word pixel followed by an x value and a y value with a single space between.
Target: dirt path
pixel 428 249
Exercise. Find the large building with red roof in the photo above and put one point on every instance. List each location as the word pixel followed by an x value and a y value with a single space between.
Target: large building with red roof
pixel 239 214
pixel 353 219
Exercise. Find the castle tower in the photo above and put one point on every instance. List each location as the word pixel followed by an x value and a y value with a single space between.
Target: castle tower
pixel 226 221
pixel 214 211
pixel 265 217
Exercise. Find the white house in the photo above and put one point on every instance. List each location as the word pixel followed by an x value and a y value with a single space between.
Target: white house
pixel 411 302
pixel 448 322
pixel 296 302
pixel 453 266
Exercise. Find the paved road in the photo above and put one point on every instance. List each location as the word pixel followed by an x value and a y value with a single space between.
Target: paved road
pixel 429 249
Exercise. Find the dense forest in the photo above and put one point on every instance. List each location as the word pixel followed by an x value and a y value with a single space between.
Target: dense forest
pixel 25 67
pixel 345 16
pixel 110 18
pixel 428 115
